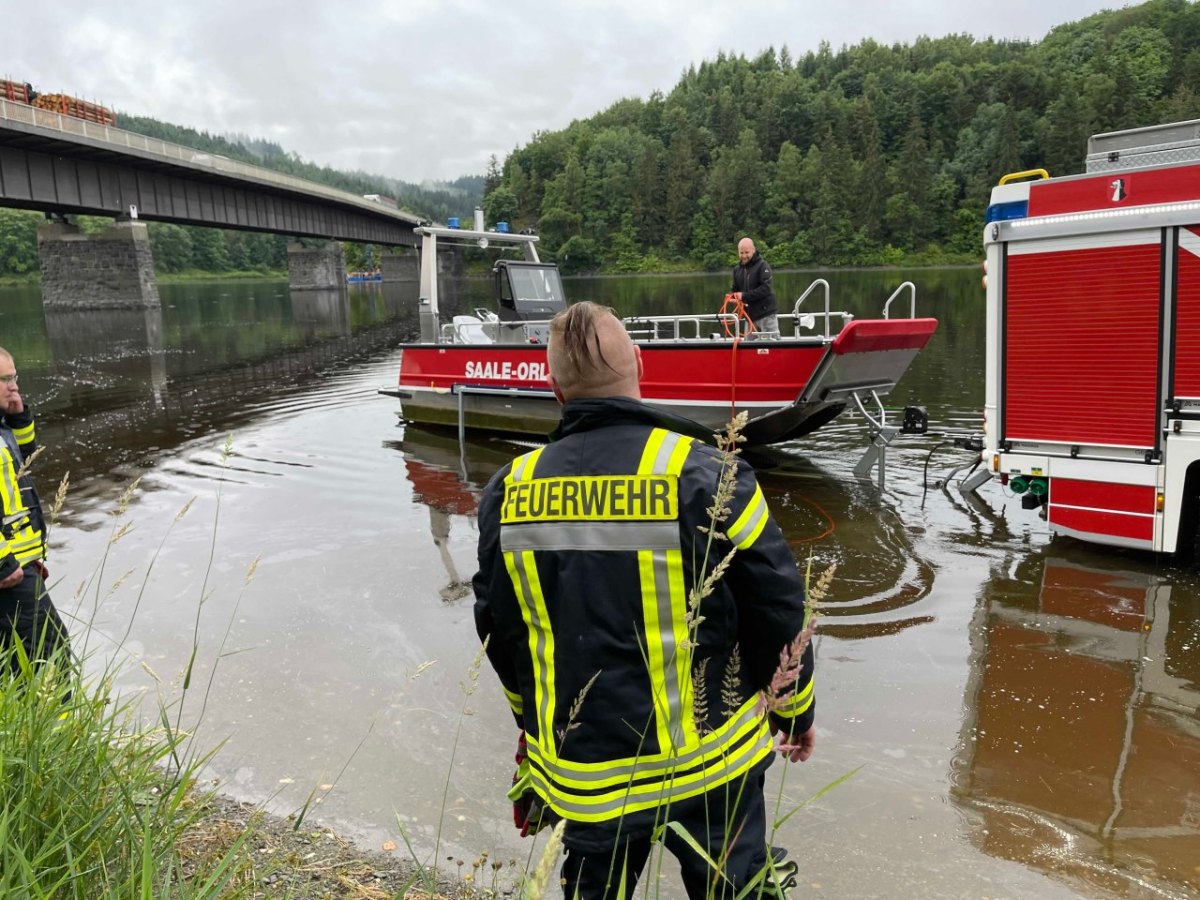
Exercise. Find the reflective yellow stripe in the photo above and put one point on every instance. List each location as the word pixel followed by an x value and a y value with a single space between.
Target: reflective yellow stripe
pixel 664 610
pixel 797 705
pixel 664 453
pixel 650 451
pixel 749 525
pixel 647 786
pixel 585 776
pixel 523 466
pixel 662 695
pixel 598 536
pixel 23 435
pixel 680 453
pixel 515 701
pixel 8 483
pixel 27 543
pixel 523 572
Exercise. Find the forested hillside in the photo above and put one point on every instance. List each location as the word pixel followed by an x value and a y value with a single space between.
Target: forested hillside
pixel 864 155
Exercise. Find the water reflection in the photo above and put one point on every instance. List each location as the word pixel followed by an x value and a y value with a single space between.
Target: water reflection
pixel 1081 743
pixel 107 348
pixel 838 522
pixel 321 313
pixel 447 477
pixel 113 387
pixel 882 573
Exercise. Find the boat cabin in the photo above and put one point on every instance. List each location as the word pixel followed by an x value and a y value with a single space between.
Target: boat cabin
pixel 528 295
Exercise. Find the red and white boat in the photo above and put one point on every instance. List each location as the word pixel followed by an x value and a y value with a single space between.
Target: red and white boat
pixel 488 371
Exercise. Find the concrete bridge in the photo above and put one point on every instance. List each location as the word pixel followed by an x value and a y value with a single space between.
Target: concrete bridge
pixel 61 165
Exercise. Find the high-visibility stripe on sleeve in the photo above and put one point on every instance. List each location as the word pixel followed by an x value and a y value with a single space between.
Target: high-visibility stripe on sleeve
pixel 523 466
pixel 797 705
pixel 749 525
pixel 515 701
pixel 664 453
pixel 24 435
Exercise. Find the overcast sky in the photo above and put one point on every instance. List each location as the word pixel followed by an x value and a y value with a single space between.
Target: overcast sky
pixel 429 89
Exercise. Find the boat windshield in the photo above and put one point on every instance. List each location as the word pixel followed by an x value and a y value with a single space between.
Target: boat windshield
pixel 536 288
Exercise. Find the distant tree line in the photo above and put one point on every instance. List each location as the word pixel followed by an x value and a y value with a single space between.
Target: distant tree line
pixel 176 248
pixel 866 155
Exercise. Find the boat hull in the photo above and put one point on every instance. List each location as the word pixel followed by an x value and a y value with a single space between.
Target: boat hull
pixel 788 387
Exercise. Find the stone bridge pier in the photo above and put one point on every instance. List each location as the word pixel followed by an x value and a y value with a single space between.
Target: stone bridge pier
pixel 316 268
pixel 401 266
pixel 112 269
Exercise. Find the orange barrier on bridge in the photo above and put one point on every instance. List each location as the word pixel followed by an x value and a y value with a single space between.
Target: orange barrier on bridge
pixel 15 90
pixel 73 106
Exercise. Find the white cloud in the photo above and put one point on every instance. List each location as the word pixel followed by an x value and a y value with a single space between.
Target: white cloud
pixel 417 90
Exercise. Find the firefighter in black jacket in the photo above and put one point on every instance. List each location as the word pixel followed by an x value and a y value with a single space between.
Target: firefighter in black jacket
pixel 25 606
pixel 753 285
pixel 639 705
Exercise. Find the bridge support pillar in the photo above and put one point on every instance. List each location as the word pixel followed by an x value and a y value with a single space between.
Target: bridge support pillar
pixel 112 269
pixel 400 266
pixel 316 268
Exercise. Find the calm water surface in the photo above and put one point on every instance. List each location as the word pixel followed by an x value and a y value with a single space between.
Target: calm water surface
pixel 1024 711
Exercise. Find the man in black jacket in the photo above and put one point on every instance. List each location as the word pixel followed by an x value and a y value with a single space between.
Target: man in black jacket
pixel 637 638
pixel 752 285
pixel 25 607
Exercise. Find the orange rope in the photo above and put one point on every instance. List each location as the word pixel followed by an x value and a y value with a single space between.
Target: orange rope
pixel 738 310
pixel 830 528
pixel 735 306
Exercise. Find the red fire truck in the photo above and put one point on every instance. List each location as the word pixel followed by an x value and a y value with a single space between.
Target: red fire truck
pixel 1092 406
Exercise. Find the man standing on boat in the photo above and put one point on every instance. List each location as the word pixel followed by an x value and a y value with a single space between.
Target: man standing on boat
pixel 752 285
pixel 25 608
pixel 636 597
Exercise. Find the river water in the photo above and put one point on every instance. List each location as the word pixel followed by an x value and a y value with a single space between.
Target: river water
pixel 1020 714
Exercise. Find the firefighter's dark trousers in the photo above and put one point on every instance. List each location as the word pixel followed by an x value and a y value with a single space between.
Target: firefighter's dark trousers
pixel 728 822
pixel 27 612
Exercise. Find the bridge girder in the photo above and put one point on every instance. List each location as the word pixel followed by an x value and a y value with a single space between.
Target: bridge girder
pixel 54 174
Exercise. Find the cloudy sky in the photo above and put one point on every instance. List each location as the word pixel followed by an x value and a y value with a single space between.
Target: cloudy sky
pixel 429 89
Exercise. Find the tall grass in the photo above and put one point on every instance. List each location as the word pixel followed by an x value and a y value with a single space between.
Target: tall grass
pixel 93 800
pixel 86 808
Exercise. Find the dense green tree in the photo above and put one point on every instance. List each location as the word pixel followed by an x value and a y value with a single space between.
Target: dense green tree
pixel 18 241
pixel 500 206
pixel 493 177
pixel 171 245
pixel 208 250
pixel 682 188
pixel 785 196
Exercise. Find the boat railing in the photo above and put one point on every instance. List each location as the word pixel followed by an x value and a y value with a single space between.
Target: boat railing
pixel 796 314
pixel 912 296
pixel 704 327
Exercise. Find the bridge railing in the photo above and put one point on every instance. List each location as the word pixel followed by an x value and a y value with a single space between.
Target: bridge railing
pixel 118 137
